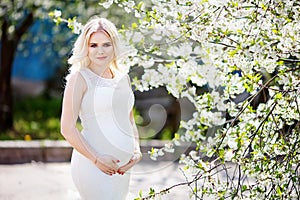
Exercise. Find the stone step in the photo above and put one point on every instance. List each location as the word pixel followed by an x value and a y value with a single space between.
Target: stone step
pixel 17 152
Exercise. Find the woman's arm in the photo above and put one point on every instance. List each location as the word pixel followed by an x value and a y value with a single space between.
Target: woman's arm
pixel 137 148
pixel 73 94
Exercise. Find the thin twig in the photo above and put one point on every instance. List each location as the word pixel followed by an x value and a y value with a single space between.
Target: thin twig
pixel 189 185
pixel 196 178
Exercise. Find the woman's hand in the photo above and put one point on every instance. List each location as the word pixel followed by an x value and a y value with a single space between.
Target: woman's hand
pixel 137 156
pixel 107 164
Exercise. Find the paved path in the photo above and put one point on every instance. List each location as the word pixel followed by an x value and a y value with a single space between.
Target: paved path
pixel 52 181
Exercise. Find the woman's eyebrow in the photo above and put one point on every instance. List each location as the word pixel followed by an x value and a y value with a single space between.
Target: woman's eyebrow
pixel 100 43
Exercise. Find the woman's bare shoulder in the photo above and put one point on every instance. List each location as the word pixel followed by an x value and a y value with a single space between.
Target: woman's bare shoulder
pixel 76 80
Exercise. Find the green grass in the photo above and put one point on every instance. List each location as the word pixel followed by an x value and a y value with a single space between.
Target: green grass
pixel 35 118
pixel 39 118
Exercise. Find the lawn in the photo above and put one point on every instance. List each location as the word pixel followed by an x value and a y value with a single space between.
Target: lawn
pixel 35 118
pixel 38 118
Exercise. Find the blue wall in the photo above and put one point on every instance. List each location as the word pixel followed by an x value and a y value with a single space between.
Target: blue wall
pixel 38 60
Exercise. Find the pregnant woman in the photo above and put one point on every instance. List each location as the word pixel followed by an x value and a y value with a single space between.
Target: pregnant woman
pixel 100 94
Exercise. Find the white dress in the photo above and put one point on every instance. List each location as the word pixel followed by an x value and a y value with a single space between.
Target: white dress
pixel 104 115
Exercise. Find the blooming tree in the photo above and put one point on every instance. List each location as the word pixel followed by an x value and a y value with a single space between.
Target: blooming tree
pixel 246 56
pixel 16 19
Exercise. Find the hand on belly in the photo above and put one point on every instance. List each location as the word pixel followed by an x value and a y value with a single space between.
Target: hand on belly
pixel 107 164
pixel 133 160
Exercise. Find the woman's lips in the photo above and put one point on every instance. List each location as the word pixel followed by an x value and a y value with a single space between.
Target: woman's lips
pixel 101 57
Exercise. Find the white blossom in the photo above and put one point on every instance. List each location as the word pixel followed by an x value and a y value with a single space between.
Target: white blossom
pixel 57 13
pixel 169 148
pixel 107 4
pixel 232 143
pixel 219 54
pixel 194 155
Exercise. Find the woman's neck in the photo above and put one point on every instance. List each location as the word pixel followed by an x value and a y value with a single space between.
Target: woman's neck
pixel 106 73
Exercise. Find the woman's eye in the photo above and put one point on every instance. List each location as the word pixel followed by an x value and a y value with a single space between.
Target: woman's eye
pixel 93 45
pixel 107 45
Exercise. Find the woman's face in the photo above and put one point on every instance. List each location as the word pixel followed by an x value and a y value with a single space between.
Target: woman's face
pixel 100 50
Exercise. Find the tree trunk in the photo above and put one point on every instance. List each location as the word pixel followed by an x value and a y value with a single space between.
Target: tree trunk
pixel 8 50
pixel 6 120
pixel 5 88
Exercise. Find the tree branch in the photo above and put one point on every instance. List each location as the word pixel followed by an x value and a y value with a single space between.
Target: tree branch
pixel 251 98
pixel 197 177
pixel 27 22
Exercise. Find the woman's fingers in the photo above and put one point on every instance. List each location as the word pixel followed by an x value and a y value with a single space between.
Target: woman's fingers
pixel 114 164
pixel 115 160
pixel 126 167
pixel 110 171
pixel 108 168
pixel 109 164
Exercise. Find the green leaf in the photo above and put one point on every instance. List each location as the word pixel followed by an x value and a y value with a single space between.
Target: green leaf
pixel 232 52
pixel 177 136
pixel 244 188
pixel 264 7
pixel 278 190
pixel 281 62
pixel 168 65
pixel 233 68
pixel 51 14
pixel 235 4
pixel 179 16
pixel 134 25
pixel 139 6
pixel 278 96
pixel 186 167
pixel 221 153
pixel 151 192
pixel 275 31
pixel 152 151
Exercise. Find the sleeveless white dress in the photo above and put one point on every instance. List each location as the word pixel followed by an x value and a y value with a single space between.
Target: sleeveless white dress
pixel 104 116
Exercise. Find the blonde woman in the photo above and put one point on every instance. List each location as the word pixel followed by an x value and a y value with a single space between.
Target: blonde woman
pixel 100 94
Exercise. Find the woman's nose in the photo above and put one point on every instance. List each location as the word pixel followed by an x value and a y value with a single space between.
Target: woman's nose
pixel 100 49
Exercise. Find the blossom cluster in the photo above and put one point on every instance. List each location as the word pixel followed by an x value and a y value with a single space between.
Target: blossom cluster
pixel 238 63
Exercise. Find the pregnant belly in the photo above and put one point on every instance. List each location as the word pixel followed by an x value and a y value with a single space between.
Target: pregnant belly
pixel 111 141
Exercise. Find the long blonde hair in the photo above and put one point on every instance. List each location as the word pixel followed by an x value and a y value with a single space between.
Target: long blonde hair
pixel 79 58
